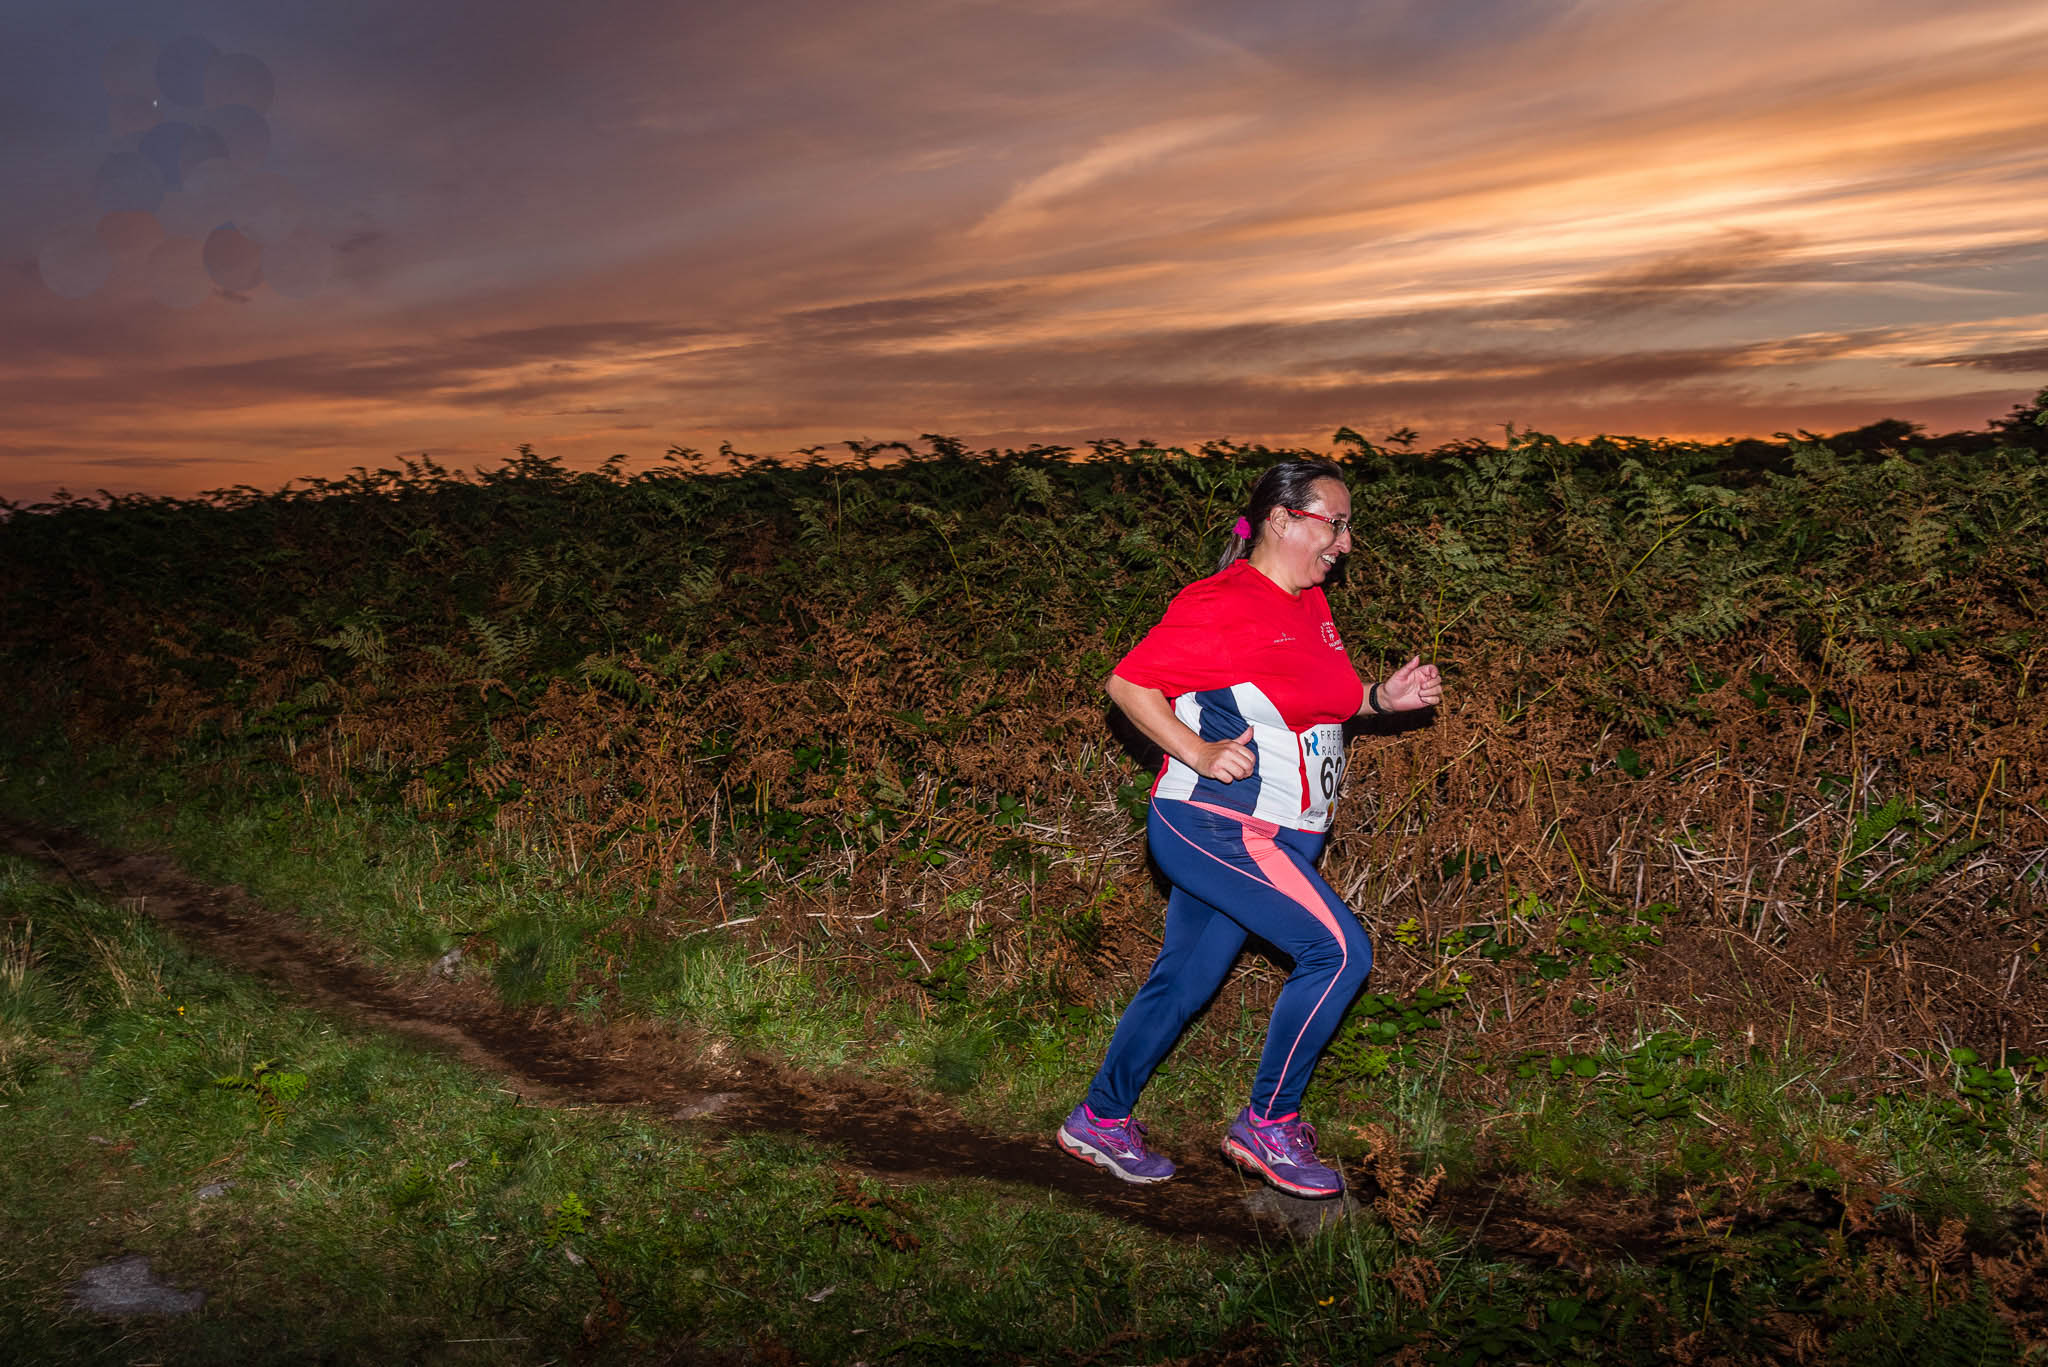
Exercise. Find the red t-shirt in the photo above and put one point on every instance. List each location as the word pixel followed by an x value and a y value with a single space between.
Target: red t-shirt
pixel 1237 650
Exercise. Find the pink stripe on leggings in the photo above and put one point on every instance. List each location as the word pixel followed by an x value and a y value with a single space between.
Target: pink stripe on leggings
pixel 1204 849
pixel 1288 880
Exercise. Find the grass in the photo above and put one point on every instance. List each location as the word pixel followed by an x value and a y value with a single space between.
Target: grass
pixel 430 1206
pixel 394 1206
pixel 398 1207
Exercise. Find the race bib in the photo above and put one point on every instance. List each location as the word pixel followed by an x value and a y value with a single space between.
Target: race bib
pixel 1322 765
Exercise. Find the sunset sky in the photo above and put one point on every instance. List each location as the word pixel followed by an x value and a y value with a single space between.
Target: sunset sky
pixel 616 225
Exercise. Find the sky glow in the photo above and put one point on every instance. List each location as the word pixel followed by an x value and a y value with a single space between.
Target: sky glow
pixel 615 226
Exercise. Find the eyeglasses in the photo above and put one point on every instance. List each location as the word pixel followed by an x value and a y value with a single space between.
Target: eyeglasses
pixel 1339 525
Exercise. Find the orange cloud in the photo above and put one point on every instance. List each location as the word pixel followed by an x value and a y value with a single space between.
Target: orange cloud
pixel 794 222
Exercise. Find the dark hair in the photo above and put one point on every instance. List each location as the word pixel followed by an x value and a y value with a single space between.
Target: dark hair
pixel 1290 484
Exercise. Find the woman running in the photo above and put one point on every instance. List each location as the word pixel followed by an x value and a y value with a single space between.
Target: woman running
pixel 1246 687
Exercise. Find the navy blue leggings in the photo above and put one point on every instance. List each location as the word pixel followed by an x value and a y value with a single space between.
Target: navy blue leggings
pixel 1233 876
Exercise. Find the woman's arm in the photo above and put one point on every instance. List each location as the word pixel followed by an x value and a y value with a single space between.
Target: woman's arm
pixel 1223 760
pixel 1410 688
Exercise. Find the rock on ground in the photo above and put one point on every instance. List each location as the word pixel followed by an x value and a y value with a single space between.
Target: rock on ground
pixel 129 1286
pixel 1304 1219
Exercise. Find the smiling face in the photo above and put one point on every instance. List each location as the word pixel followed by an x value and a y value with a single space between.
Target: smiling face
pixel 1297 551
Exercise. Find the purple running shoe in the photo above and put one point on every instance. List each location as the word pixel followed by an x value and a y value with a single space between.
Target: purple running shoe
pixel 1283 1152
pixel 1118 1145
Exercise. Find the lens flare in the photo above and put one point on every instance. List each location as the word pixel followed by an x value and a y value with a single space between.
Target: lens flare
pixel 129 69
pixel 238 78
pixel 127 233
pixel 181 70
pixel 268 207
pixel 205 201
pixel 177 273
pixel 74 263
pixel 232 260
pixel 128 181
pixel 243 131
pixel 128 115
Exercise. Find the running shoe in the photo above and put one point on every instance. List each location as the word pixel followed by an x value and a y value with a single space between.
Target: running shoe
pixel 1283 1152
pixel 1118 1145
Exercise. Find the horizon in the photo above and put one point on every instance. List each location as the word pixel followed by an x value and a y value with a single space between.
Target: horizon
pixel 248 247
pixel 692 462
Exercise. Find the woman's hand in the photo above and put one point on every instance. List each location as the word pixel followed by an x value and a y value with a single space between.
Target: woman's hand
pixel 1411 688
pixel 1226 761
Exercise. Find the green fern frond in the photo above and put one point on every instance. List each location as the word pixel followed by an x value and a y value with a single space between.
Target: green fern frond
pixel 1139 544
pixel 362 641
pixel 811 519
pixel 1924 537
pixel 693 588
pixel 567 1220
pixel 609 672
pixel 500 652
pixel 1874 825
pixel 315 694
pixel 1031 485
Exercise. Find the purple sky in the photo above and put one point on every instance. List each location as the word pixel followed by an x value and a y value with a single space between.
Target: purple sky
pixel 613 226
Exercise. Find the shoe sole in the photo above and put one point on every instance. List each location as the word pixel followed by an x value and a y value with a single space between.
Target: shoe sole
pixel 1250 1162
pixel 1094 1157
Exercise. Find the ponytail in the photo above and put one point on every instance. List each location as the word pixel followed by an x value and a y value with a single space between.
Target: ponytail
pixel 1289 484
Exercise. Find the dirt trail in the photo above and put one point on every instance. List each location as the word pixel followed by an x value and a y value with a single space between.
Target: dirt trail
pixel 888 1131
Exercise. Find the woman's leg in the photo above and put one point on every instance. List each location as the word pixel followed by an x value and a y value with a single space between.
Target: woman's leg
pixel 1195 954
pixel 1262 878
pixel 1332 957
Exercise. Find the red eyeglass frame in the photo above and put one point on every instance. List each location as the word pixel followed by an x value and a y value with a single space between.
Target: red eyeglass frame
pixel 1342 524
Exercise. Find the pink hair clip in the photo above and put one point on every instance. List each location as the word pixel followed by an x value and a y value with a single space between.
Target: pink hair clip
pixel 1243 530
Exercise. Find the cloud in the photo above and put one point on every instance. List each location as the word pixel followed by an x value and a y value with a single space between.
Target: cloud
pixel 1720 273
pixel 2028 360
pixel 1333 368
pixel 472 369
pixel 909 316
pixel 157 462
pixel 1030 205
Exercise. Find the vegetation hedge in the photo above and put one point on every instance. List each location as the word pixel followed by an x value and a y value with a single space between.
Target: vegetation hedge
pixel 1769 704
